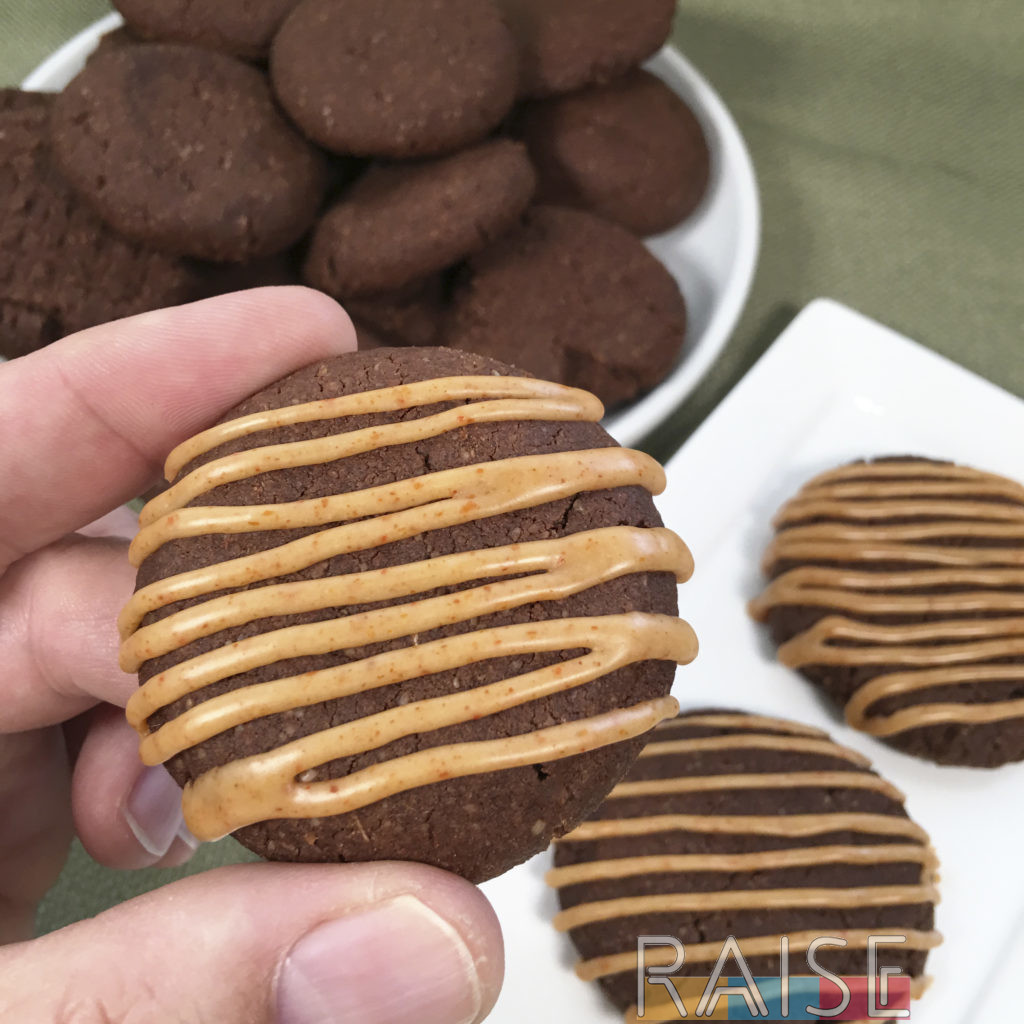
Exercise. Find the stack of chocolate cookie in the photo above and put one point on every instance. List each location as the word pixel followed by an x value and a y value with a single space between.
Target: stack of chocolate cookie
pixel 474 173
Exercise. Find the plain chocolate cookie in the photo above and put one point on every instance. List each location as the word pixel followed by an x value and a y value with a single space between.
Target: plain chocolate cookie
pixel 52 245
pixel 401 222
pixel 631 151
pixel 410 316
pixel 13 101
pixel 115 39
pixel 566 44
pixel 740 825
pixel 897 586
pixel 184 149
pixel 243 29
pixel 399 79
pixel 367 338
pixel 575 298
pixel 475 824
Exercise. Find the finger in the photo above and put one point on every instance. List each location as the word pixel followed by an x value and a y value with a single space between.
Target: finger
pixel 381 943
pixel 58 609
pixel 96 413
pixel 126 815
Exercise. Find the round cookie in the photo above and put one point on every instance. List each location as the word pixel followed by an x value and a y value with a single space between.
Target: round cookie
pixel 25 328
pixel 566 44
pixel 184 149
pixel 575 298
pixel 242 29
pixel 401 222
pixel 897 586
pixel 367 338
pixel 630 151
pixel 115 39
pixel 15 101
pixel 417 77
pixel 410 316
pixel 268 272
pixel 754 827
pixel 51 244
pixel 385 725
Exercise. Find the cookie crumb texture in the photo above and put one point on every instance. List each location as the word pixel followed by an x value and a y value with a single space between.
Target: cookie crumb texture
pixel 398 79
pixel 755 827
pixel 185 149
pixel 402 222
pixel 568 44
pixel 243 29
pixel 631 151
pixel 51 244
pixel 897 586
pixel 503 811
pixel 573 298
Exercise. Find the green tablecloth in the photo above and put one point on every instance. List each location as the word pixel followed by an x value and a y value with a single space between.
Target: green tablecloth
pixel 888 137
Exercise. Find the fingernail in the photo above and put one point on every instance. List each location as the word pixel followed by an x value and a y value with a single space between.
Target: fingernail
pixel 153 811
pixel 389 964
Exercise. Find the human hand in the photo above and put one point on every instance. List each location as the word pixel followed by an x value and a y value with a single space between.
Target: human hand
pixel 84 427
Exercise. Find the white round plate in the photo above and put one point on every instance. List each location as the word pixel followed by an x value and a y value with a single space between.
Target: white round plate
pixel 712 255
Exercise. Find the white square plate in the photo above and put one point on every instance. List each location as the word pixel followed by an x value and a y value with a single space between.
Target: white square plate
pixel 836 386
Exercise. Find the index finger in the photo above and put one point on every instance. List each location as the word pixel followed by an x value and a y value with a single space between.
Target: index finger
pixel 86 422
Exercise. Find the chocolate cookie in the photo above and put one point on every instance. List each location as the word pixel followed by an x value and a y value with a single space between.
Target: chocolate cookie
pixel 410 316
pixel 409 621
pixel 25 328
pixel 115 39
pixel 367 338
pixel 184 149
pixel 566 44
pixel 242 29
pixel 631 151
pixel 401 79
pixel 898 587
pixel 52 245
pixel 269 272
pixel 575 298
pixel 13 101
pixel 401 222
pixel 739 825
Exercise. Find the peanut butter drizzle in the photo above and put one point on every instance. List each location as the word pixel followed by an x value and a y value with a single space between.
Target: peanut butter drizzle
pixel 466 494
pixel 767 860
pixel 738 720
pixel 985 582
pixel 790 825
pixel 916 850
pixel 758 780
pixel 281 783
pixel 745 899
pixel 755 741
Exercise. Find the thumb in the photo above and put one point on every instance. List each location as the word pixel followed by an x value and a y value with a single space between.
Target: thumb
pixel 378 943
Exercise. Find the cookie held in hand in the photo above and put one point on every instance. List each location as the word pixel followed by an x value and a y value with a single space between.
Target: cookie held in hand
pixel 403 604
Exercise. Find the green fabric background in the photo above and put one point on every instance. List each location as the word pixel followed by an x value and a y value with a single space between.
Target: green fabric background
pixel 888 137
